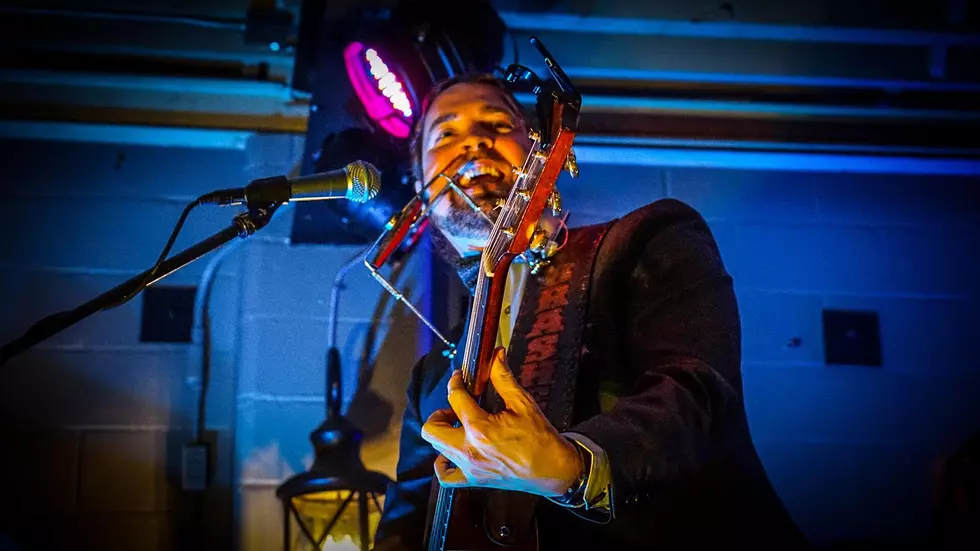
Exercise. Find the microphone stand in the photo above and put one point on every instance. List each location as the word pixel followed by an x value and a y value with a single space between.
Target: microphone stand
pixel 243 225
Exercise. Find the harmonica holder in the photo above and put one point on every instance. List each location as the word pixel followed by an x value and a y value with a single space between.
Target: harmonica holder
pixel 411 221
pixel 408 224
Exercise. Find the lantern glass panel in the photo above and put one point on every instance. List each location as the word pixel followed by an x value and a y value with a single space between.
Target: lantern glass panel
pixel 333 518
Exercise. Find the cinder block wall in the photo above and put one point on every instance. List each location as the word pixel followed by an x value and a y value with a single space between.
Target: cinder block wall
pixel 94 419
pixel 851 449
pixel 284 326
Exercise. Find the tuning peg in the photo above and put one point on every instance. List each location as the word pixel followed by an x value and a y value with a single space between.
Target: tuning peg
pixel 543 248
pixel 554 201
pixel 539 240
pixel 571 164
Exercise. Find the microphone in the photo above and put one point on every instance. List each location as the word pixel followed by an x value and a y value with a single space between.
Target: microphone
pixel 358 181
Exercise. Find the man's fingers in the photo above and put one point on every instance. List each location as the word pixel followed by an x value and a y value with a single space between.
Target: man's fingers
pixel 462 403
pixel 506 385
pixel 448 475
pixel 443 416
pixel 439 431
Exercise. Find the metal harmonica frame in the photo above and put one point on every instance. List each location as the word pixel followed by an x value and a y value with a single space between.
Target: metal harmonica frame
pixel 408 225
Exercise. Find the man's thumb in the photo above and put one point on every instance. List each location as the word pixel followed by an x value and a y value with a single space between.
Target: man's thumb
pixel 505 383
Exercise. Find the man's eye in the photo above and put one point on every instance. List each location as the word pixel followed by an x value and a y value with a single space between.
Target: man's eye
pixel 503 127
pixel 444 134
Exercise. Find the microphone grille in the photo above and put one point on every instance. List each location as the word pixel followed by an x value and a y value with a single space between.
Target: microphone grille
pixel 363 181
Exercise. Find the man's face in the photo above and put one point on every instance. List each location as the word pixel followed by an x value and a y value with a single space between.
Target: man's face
pixel 471 122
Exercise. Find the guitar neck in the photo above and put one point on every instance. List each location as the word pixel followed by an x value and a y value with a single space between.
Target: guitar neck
pixel 481 338
pixel 511 236
pixel 484 323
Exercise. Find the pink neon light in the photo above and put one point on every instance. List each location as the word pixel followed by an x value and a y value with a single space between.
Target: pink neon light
pixel 366 86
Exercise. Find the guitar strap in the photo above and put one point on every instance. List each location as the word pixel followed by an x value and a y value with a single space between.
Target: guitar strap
pixel 547 341
pixel 544 355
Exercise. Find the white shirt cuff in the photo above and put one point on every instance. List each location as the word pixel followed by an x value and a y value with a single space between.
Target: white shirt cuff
pixel 597 486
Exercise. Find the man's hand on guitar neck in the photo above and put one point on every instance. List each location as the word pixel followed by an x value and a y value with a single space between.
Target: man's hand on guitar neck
pixel 515 449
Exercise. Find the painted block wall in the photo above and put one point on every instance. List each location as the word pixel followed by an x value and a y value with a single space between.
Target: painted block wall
pixel 93 419
pixel 849 448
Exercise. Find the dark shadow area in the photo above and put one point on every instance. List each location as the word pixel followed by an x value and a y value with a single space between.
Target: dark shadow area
pixel 369 411
pixel 90 486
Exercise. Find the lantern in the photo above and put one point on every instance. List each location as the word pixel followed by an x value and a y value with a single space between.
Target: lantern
pixel 337 503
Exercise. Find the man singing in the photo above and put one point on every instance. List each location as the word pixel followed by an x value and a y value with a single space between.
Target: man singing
pixel 656 451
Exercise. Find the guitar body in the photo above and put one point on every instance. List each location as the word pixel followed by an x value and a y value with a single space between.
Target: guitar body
pixel 480 522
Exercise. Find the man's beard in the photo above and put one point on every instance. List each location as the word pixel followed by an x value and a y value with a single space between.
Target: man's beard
pixel 463 222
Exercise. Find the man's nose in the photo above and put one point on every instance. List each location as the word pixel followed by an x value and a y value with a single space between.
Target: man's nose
pixel 477 140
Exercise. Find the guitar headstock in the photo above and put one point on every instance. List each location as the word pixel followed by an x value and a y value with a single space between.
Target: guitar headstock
pixel 557 106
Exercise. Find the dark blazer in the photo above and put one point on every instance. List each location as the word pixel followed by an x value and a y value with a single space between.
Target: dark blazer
pixel 663 326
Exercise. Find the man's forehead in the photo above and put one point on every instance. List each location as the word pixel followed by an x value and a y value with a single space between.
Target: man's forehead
pixel 466 97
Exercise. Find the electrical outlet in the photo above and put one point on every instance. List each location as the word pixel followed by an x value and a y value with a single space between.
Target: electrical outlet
pixel 851 338
pixel 194 467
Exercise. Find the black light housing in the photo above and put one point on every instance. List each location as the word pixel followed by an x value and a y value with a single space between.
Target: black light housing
pixel 347 222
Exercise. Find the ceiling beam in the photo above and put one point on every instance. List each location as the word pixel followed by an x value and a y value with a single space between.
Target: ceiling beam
pixel 587 24
pixel 589 151
pixel 269 107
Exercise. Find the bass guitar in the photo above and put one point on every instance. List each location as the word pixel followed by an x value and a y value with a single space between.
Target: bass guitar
pixel 476 519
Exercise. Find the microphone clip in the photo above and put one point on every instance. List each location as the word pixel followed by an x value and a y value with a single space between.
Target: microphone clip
pixel 274 190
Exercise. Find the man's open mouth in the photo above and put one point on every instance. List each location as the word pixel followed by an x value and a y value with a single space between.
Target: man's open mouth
pixel 478 169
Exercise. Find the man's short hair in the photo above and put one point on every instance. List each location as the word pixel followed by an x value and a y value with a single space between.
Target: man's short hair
pixel 415 144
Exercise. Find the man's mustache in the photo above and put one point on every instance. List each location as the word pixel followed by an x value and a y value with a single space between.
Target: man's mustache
pixel 481 154
pixel 481 192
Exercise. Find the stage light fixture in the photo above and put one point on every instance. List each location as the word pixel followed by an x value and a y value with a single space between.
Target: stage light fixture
pixel 367 72
pixel 382 91
pixel 391 64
